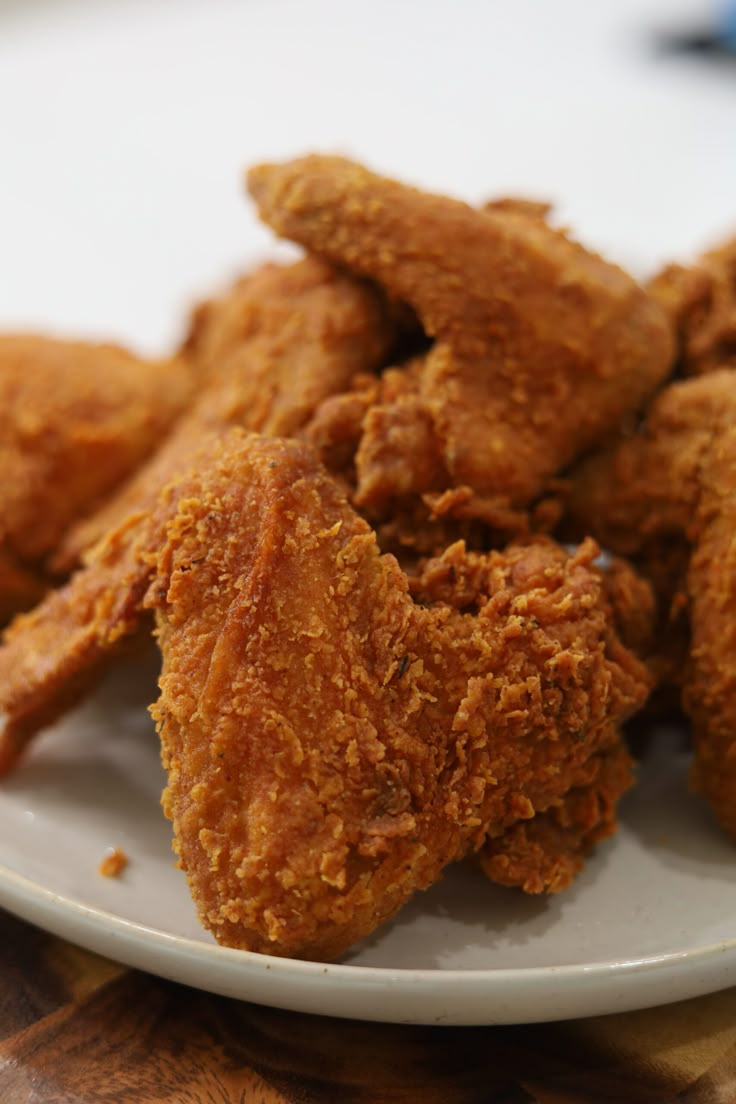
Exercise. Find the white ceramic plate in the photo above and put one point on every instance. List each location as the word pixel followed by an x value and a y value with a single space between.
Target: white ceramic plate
pixel 651 920
pixel 127 127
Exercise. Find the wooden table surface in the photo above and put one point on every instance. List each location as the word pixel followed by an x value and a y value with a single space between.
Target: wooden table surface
pixel 77 1029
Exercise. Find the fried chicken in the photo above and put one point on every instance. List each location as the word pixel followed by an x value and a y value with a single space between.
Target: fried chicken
pixel 540 347
pixel 331 742
pixel 52 655
pixel 339 724
pixel 667 496
pixel 544 854
pixel 701 303
pixel 305 329
pixel 269 352
pixel 75 420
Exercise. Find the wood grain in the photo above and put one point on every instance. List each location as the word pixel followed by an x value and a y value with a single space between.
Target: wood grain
pixel 76 1029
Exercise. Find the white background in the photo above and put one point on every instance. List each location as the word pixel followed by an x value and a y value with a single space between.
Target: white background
pixel 125 126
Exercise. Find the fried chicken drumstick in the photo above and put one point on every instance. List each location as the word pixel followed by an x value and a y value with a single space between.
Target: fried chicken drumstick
pixel 331 743
pixel 540 347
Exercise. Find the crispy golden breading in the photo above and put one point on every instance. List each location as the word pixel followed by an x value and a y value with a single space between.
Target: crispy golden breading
pixel 710 685
pixel 356 691
pixel 332 743
pixel 540 347
pixel 668 496
pixel 309 329
pixel 75 420
pixel 378 440
pixel 52 655
pixel 544 854
pixel 269 351
pixel 701 304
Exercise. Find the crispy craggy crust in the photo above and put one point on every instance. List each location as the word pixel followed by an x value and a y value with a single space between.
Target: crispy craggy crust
pixel 544 854
pixel 668 496
pixel 639 496
pixel 75 420
pixel 700 301
pixel 305 329
pixel 539 346
pixel 268 352
pixel 710 683
pixel 52 655
pixel 333 743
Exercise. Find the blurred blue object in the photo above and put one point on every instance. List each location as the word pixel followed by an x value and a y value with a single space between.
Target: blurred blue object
pixel 728 25
pixel 716 39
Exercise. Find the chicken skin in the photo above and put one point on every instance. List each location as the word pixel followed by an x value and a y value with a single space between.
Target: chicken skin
pixel 331 743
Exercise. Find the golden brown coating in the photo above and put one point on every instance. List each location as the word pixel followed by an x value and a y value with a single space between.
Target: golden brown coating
pixel 671 489
pixel 333 325
pixel 701 304
pixel 540 347
pixel 52 655
pixel 544 854
pixel 332 743
pixel 710 684
pixel 308 329
pixel 269 352
pixel 75 420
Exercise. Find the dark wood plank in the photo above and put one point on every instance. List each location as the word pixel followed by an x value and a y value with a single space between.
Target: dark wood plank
pixel 75 1029
pixel 40 974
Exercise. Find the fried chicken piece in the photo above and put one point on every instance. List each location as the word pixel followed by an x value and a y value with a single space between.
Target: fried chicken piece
pixel 310 328
pixel 544 854
pixel 270 351
pixel 540 347
pixel 75 420
pixel 701 304
pixel 331 743
pixel 52 655
pixel 674 484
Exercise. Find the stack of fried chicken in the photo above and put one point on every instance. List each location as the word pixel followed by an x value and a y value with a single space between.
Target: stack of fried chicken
pixel 342 500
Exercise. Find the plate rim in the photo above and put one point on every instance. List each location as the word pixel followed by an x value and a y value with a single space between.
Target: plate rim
pixel 522 994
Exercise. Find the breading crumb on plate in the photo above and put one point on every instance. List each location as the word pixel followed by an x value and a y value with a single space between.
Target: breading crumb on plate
pixel 113 864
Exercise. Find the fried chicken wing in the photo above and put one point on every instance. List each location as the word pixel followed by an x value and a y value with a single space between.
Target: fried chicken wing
pixel 75 420
pixel 331 742
pixel 668 496
pixel 305 330
pixel 701 303
pixel 52 655
pixel 540 347
pixel 269 351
